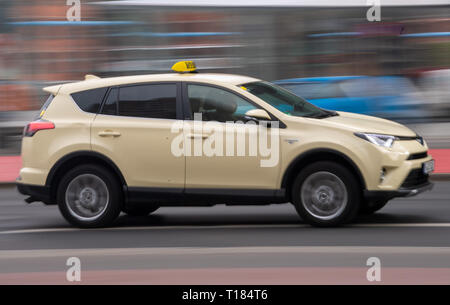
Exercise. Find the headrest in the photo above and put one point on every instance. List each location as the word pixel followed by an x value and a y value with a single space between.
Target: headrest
pixel 223 103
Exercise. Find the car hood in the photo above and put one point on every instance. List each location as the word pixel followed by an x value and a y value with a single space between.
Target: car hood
pixel 365 123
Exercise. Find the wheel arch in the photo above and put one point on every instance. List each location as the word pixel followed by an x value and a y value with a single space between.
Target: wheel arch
pixel 77 158
pixel 314 155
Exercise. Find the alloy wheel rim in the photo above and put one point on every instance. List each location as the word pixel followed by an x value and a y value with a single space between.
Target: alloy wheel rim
pixel 324 195
pixel 87 197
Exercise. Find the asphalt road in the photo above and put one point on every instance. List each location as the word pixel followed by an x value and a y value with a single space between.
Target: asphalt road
pixel 229 245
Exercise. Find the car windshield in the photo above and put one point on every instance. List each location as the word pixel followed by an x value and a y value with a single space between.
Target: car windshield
pixel 284 100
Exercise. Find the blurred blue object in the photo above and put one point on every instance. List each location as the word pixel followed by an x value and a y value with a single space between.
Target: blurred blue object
pixel 393 97
pixel 429 34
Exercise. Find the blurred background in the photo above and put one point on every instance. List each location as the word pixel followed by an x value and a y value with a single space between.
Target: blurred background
pixel 331 54
pixel 326 51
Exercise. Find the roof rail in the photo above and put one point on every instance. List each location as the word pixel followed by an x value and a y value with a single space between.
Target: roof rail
pixel 90 76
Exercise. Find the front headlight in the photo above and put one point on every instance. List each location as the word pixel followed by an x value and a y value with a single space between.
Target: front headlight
pixel 377 139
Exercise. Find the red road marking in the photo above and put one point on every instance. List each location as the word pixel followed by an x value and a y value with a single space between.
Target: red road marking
pixel 9 168
pixel 238 276
pixel 442 159
pixel 10 165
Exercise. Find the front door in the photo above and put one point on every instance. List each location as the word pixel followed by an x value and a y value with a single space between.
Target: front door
pixel 223 148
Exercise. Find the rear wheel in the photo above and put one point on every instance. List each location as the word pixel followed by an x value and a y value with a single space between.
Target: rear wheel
pixel 326 194
pixel 89 196
pixel 139 211
pixel 372 206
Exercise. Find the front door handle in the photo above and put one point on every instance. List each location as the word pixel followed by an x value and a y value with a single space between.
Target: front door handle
pixel 109 133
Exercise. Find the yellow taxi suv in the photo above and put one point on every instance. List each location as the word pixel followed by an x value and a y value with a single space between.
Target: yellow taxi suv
pixel 103 146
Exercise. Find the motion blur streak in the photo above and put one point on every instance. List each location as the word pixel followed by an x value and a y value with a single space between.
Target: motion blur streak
pixel 228 245
pixel 238 276
pixel 325 51
pixel 406 53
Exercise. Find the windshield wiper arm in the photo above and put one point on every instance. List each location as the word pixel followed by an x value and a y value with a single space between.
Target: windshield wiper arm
pixel 326 114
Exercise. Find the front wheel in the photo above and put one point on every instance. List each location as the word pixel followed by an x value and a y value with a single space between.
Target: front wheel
pixel 89 196
pixel 326 194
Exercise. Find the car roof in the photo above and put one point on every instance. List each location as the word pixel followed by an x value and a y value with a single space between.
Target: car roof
pixel 323 79
pixel 92 82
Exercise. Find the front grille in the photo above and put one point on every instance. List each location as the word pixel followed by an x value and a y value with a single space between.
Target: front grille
pixel 415 178
pixel 418 156
pixel 417 138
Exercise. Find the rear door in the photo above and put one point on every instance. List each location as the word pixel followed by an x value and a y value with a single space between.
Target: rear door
pixel 133 129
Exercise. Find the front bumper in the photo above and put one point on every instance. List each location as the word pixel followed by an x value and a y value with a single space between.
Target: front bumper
pixel 401 192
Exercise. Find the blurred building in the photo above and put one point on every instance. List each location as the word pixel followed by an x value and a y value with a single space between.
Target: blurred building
pixel 39 46
pixel 268 39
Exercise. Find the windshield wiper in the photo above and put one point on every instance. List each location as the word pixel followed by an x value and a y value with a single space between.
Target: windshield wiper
pixel 326 114
pixel 330 114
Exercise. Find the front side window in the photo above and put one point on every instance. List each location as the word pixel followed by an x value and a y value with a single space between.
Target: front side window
pixel 215 104
pixel 284 100
pixel 147 101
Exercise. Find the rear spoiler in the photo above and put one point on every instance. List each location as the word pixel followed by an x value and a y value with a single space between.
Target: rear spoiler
pixel 55 89
pixel 52 89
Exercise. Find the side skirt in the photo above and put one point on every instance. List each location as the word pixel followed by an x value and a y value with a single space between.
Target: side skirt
pixel 202 197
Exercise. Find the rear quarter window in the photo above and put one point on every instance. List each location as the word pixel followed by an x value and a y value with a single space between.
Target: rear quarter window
pixel 89 100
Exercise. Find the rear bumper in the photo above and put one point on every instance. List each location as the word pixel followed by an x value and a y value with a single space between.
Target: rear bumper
pixel 402 192
pixel 36 192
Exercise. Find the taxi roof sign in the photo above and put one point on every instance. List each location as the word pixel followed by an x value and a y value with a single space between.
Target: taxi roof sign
pixel 184 66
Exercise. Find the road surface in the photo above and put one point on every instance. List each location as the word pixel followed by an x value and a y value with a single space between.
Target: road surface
pixel 229 245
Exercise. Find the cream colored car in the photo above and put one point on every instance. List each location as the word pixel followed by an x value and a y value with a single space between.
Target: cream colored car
pixel 103 146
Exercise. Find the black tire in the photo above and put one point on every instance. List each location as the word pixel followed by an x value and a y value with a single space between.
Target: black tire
pixel 108 191
pixel 372 206
pixel 315 177
pixel 139 211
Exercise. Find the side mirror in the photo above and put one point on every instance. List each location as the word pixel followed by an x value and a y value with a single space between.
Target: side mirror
pixel 258 114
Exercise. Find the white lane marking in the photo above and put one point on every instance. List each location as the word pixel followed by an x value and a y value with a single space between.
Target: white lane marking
pixel 102 252
pixel 202 227
pixel 392 225
pixel 181 227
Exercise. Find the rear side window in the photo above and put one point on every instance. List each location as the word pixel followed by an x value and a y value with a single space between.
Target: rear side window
pixel 90 100
pixel 148 101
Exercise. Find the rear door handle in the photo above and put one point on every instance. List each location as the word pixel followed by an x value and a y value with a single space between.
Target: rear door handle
pixel 109 133
pixel 198 136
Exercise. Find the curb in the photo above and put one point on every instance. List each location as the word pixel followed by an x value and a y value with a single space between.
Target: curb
pixel 10 167
pixel 7 184
pixel 433 177
pixel 440 177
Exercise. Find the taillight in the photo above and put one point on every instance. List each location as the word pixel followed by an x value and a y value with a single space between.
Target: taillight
pixel 36 126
